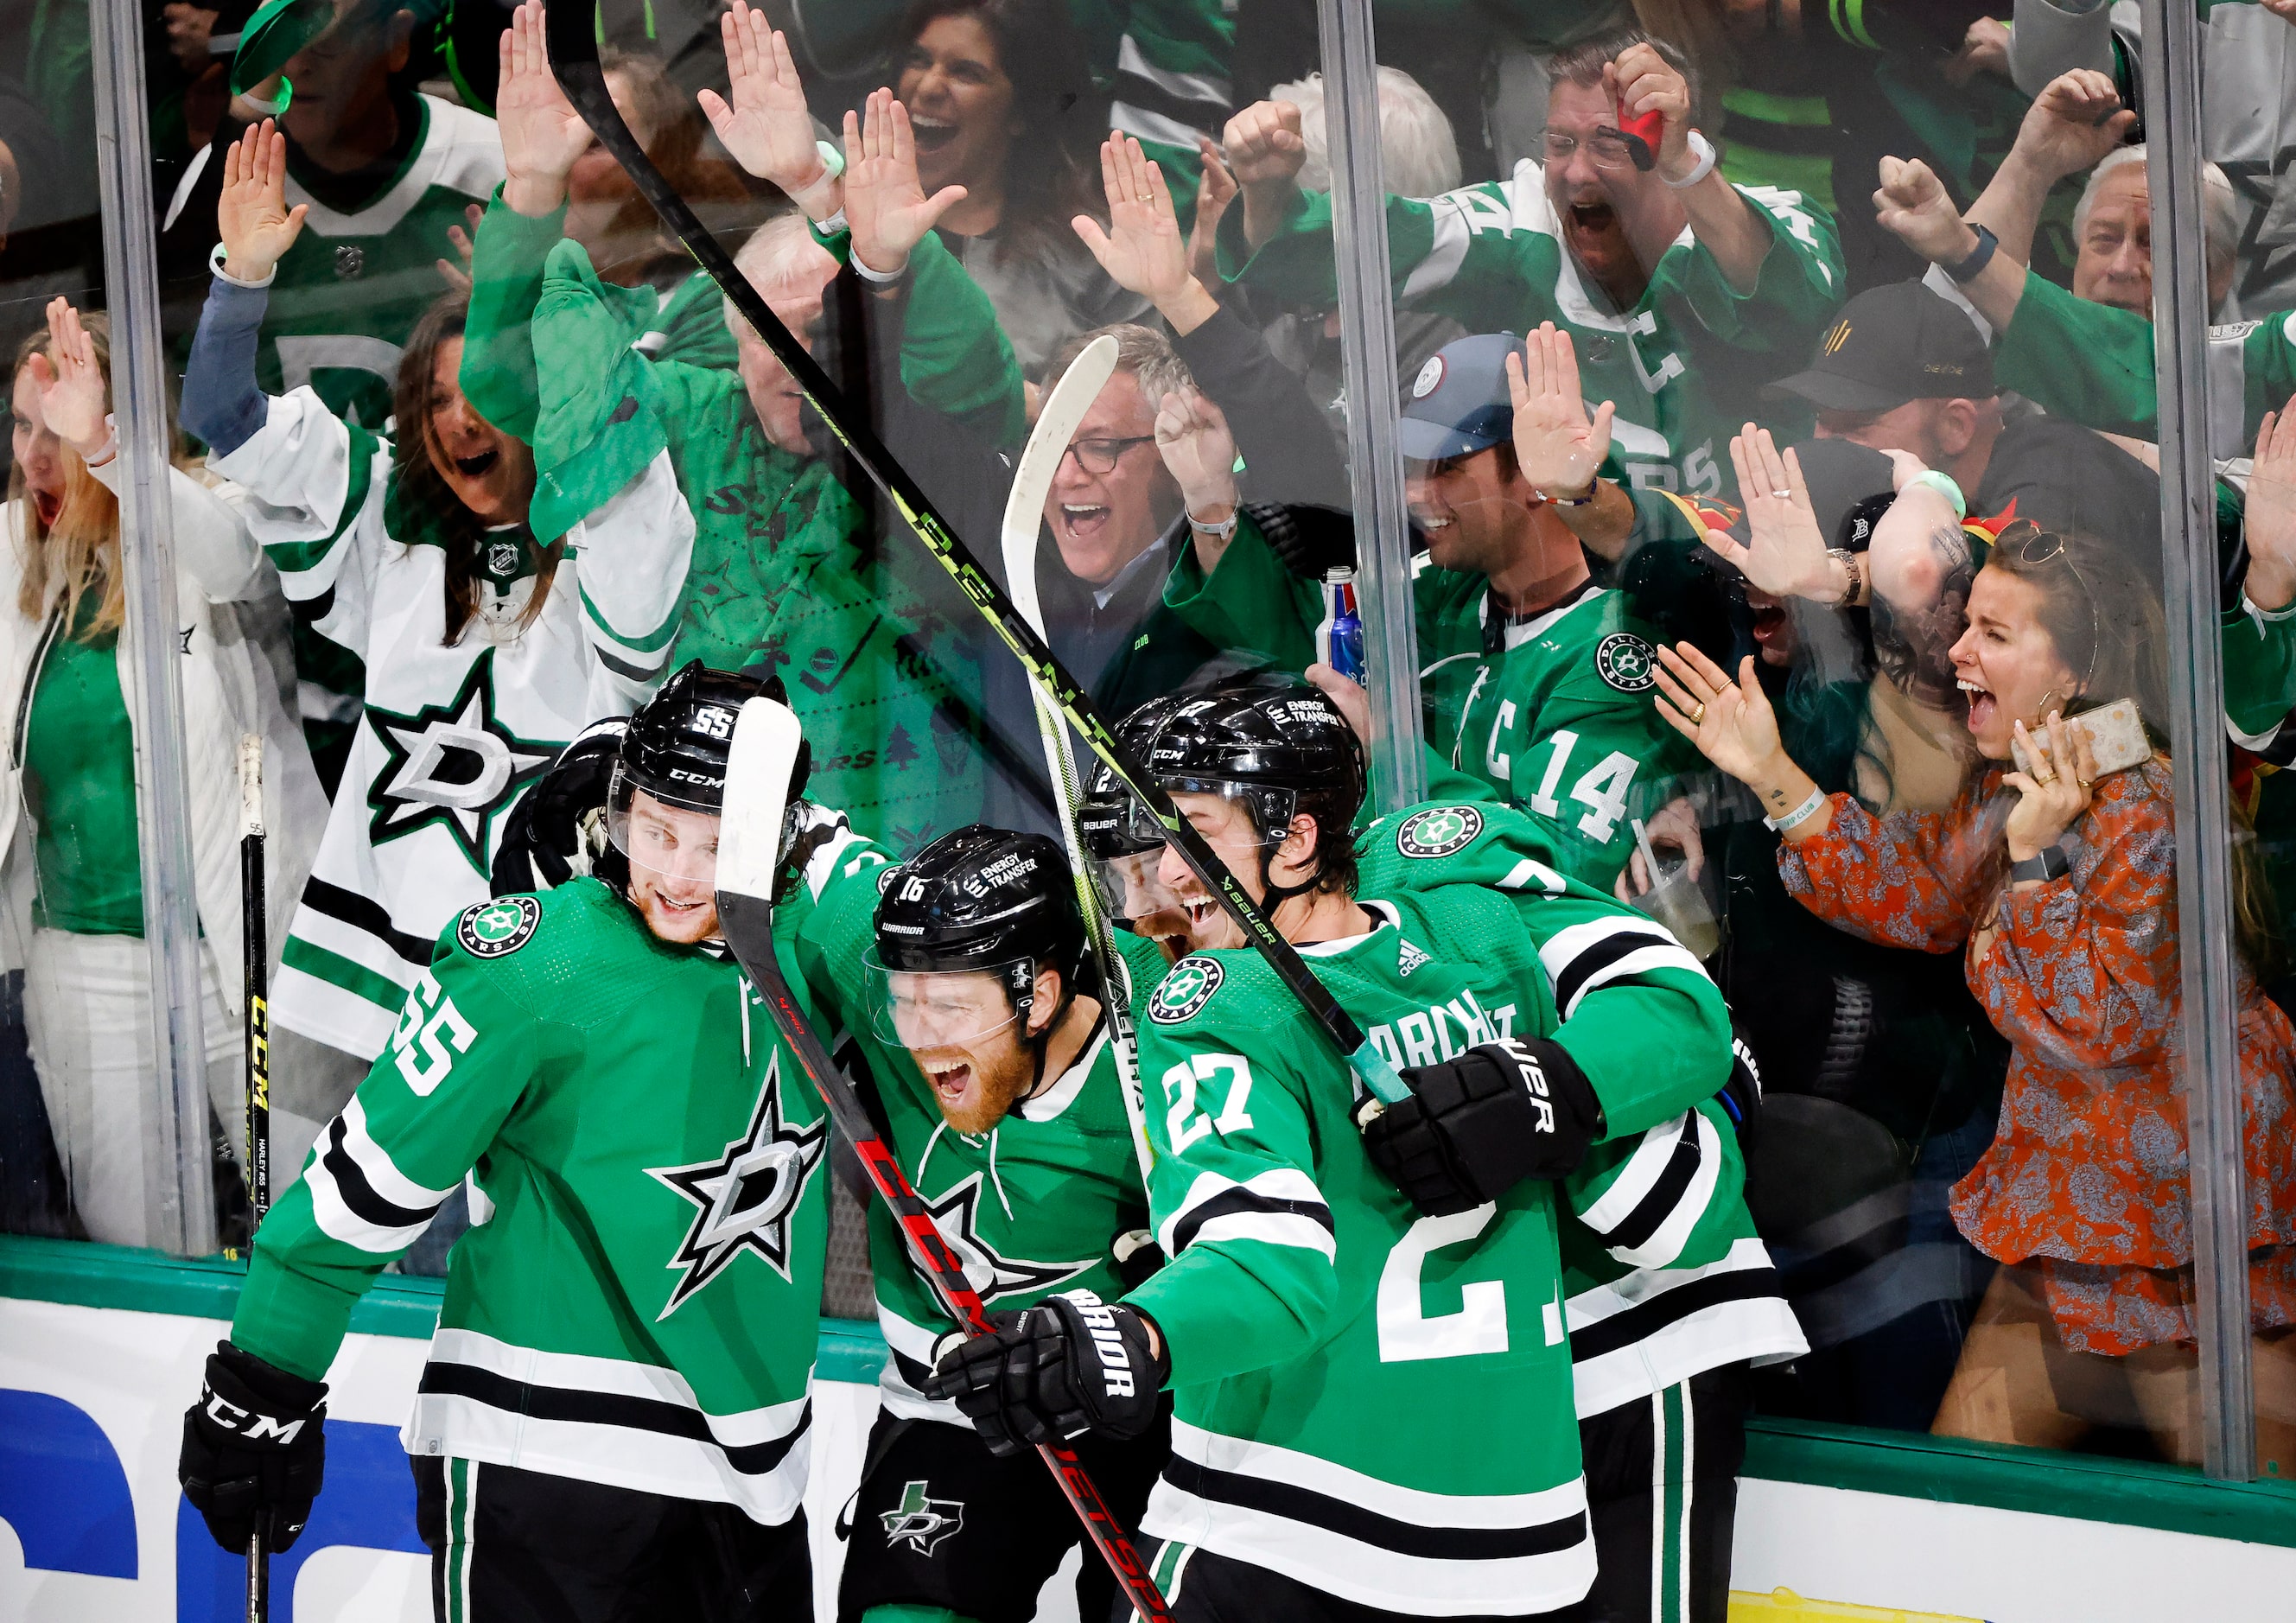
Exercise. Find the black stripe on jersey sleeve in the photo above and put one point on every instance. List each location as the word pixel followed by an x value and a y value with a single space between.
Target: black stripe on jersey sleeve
pixel 607 1409
pixel 1349 1521
pixel 359 1197
pixel 1145 93
pixel 623 668
pixel 1647 1318
pixel 1600 957
pixel 364 913
pixel 1659 1201
pixel 1229 1201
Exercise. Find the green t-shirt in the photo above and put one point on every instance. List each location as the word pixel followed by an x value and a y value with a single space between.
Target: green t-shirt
pixel 79 784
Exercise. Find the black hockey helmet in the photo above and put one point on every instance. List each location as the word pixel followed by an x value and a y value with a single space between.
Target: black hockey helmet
pixel 1278 744
pixel 980 901
pixel 677 741
pixel 1122 843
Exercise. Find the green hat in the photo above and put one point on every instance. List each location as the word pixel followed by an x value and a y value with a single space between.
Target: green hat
pixel 276 32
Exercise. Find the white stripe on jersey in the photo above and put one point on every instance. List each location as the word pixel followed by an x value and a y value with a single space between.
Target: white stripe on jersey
pixel 1757 1325
pixel 1596 941
pixel 350 1214
pixel 1371 1563
pixel 1246 1213
pixel 1635 1177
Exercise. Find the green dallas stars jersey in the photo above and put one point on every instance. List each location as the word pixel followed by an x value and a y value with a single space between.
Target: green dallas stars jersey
pixel 637 1300
pixel 1371 1402
pixel 1033 1206
pixel 1558 720
pixel 1665 1274
pixel 1683 366
pixel 453 733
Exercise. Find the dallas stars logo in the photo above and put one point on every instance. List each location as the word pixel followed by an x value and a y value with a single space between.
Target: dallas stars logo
pixel 990 1273
pixel 1439 830
pixel 453 764
pixel 1626 663
pixel 748 1196
pixel 1185 989
pixel 920 1522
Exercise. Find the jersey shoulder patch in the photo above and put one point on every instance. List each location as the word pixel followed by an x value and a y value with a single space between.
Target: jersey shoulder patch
pixel 1437 831
pixel 498 928
pixel 1186 988
pixel 1627 661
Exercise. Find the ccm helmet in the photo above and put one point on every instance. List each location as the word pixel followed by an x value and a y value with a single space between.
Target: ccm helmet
pixel 1280 746
pixel 677 743
pixel 980 901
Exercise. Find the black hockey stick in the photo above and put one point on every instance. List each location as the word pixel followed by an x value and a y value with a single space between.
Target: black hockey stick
pixel 766 741
pixel 570 37
pixel 254 945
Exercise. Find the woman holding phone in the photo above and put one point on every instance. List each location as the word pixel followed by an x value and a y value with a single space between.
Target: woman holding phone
pixel 2059 883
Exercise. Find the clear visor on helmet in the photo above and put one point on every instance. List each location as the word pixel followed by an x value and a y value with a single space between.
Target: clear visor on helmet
pixel 674 842
pixel 1266 811
pixel 922 1010
pixel 1133 894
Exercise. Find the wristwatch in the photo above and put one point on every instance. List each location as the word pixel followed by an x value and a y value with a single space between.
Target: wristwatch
pixel 1854 569
pixel 2048 863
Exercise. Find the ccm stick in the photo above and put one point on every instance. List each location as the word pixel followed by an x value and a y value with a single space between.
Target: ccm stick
pixel 255 944
pixel 766 741
pixel 573 51
pixel 1064 407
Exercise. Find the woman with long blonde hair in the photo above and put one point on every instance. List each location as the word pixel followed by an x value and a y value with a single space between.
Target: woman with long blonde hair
pixel 71 885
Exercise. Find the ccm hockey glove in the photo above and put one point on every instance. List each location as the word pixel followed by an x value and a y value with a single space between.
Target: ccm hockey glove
pixel 1070 1363
pixel 544 834
pixel 1477 1125
pixel 254 1447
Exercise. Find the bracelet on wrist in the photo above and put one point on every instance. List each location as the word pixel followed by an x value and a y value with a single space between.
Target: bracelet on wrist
pixel 1698 171
pixel 1799 815
pixel 1853 569
pixel 1568 501
pixel 1222 529
pixel 1966 270
pixel 833 168
pixel 217 258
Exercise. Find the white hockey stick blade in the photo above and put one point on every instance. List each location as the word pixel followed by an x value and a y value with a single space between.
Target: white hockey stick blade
pixel 766 741
pixel 1064 408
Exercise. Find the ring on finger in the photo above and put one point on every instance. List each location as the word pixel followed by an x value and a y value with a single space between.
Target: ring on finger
pixel 1783 496
pixel 2085 783
pixel 2044 777
pixel 1698 714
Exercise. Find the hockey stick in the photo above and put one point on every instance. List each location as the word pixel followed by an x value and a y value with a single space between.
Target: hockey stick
pixel 254 947
pixel 574 60
pixel 766 740
pixel 1064 407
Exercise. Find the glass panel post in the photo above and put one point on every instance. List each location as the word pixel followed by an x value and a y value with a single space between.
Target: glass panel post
pixel 182 1217
pixel 1375 453
pixel 2172 120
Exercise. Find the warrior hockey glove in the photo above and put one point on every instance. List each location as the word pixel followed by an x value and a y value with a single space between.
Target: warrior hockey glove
pixel 1477 1125
pixel 254 1447
pixel 544 833
pixel 1070 1363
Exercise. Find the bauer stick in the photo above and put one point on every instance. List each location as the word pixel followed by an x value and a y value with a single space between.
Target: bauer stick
pixel 573 50
pixel 254 945
pixel 766 742
pixel 1064 408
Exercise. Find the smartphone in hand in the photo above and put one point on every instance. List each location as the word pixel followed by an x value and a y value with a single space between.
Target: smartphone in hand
pixel 2115 733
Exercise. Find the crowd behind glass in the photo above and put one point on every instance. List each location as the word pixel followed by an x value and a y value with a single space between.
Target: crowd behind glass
pixel 1829 383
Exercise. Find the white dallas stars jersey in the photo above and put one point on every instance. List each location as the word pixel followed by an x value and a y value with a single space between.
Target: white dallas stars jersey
pixel 454 731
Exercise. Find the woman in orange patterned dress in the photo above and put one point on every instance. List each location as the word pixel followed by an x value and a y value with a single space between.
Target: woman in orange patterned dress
pixel 2060 886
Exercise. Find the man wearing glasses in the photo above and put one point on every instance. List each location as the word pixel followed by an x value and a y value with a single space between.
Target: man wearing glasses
pixel 1680 291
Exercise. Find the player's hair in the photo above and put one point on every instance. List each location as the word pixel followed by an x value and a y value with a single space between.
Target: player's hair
pixel 79 554
pixel 1582 64
pixel 1143 351
pixel 1418 152
pixel 2220 208
pixel 1052 172
pixel 413 455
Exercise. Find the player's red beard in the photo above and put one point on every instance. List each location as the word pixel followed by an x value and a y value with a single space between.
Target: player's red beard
pixel 976 1085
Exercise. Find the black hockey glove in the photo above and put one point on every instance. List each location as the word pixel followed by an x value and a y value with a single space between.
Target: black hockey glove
pixel 1310 542
pixel 1741 1097
pixel 254 1446
pixel 1070 1363
pixel 1137 1256
pixel 544 833
pixel 1476 1126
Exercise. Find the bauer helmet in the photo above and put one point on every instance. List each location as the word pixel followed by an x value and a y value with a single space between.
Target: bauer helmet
pixel 1121 841
pixel 1280 746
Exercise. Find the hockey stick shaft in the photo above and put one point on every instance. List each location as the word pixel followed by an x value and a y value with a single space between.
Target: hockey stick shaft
pixel 254 946
pixel 936 1259
pixel 573 52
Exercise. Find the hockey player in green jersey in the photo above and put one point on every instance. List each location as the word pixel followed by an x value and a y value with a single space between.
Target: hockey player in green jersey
pixel 1683 292
pixel 1305 1293
pixel 613 1421
pixel 981 1019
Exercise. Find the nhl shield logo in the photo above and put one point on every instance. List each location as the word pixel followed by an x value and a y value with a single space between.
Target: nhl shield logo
pixel 922 1522
pixel 492 929
pixel 1439 830
pixel 1626 663
pixel 350 261
pixel 1186 989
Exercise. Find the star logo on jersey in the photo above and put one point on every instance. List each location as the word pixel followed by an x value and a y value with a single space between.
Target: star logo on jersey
pixel 1187 988
pixel 990 1273
pixel 491 929
pixel 920 1522
pixel 1626 663
pixel 453 764
pixel 1439 830
pixel 747 1197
